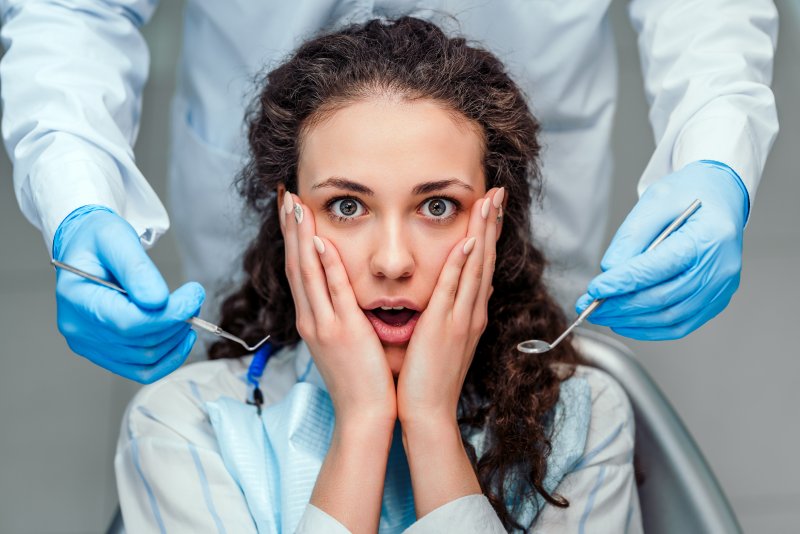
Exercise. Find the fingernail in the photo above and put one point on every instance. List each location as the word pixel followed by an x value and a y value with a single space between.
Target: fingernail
pixel 469 245
pixel 298 213
pixel 288 203
pixel 282 215
pixel 498 197
pixel 318 244
pixel 485 208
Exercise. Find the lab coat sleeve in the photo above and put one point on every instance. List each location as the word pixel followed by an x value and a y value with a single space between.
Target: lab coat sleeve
pixel 72 79
pixel 707 67
pixel 316 520
pixel 471 514
pixel 601 488
pixel 170 474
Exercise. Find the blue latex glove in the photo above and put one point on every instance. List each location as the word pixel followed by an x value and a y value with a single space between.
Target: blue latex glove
pixel 141 335
pixel 691 276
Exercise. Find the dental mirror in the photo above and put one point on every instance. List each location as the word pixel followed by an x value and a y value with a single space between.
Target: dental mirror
pixel 537 346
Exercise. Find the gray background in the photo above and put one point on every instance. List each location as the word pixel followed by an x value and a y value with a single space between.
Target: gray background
pixel 733 381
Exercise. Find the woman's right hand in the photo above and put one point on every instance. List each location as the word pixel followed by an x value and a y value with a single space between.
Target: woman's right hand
pixel 343 343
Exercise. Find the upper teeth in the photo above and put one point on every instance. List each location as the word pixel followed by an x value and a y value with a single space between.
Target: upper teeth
pixel 392 307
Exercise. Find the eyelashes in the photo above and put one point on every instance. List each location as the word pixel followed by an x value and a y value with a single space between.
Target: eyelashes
pixel 330 209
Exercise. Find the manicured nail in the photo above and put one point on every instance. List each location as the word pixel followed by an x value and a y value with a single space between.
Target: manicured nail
pixel 298 213
pixel 498 197
pixel 485 208
pixel 288 203
pixel 318 244
pixel 282 215
pixel 469 245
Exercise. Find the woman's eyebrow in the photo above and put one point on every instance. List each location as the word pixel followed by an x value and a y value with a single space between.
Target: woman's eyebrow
pixel 429 187
pixel 344 183
pixel 419 189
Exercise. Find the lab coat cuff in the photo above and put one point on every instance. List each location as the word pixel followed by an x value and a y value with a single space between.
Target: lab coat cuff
pixel 60 186
pixel 726 140
pixel 316 520
pixel 468 514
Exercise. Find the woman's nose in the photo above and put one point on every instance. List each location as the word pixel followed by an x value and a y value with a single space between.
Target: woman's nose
pixel 392 256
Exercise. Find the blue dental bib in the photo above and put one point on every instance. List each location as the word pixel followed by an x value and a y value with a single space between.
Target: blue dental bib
pixel 276 457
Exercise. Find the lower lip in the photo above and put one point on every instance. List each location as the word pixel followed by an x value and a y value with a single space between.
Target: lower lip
pixel 392 334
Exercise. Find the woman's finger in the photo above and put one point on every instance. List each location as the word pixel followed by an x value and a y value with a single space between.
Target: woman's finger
pixel 339 288
pixel 444 294
pixel 301 305
pixel 472 274
pixel 490 248
pixel 311 271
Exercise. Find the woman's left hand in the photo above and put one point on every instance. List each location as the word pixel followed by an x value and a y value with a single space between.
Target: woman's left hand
pixel 443 344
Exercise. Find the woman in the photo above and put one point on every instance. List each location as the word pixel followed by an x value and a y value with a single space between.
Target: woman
pixel 392 173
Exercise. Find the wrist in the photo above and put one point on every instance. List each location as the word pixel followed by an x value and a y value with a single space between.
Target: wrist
pixel 67 227
pixel 440 469
pixel 364 428
pixel 737 180
pixel 430 430
pixel 350 483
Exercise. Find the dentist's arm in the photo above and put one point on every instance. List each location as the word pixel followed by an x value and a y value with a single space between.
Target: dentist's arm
pixel 707 67
pixel 72 79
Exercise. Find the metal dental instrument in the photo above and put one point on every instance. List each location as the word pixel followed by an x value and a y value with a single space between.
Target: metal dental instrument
pixel 194 321
pixel 537 346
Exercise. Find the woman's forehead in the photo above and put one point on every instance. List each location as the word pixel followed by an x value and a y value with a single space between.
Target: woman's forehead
pixel 392 145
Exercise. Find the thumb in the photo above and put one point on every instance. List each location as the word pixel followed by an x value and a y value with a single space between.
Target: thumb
pixel 121 252
pixel 646 220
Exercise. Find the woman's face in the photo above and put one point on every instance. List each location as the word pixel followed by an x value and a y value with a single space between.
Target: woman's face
pixel 391 182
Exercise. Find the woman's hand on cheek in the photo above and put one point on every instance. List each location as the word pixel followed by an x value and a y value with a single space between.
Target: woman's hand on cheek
pixel 345 347
pixel 444 340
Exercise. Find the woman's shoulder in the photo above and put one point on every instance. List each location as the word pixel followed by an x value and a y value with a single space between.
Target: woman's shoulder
pixel 611 428
pixel 607 393
pixel 175 404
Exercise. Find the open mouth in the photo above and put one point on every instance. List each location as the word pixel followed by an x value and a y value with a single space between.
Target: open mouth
pixel 393 325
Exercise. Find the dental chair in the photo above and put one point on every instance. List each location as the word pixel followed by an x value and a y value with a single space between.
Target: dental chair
pixel 679 493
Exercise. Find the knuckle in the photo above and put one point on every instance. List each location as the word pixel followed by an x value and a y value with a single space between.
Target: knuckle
pixel 67 328
pixel 728 231
pixel 302 329
pixel 125 324
pixel 145 377
pixel 492 259
pixel 671 316
pixel 326 336
pixel 450 291
pixel 480 324
pixel 150 356
pixel 306 274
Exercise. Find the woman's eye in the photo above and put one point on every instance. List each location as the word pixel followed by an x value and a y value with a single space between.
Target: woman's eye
pixel 343 209
pixel 441 209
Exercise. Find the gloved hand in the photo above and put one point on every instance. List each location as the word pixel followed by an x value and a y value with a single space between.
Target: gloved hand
pixel 691 276
pixel 142 335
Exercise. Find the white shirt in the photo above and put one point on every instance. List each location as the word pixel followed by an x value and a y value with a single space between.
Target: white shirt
pixel 72 104
pixel 172 478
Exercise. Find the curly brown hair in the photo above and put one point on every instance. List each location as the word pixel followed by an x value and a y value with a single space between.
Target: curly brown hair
pixel 509 394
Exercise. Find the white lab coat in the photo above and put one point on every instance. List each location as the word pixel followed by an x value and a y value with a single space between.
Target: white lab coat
pixel 72 81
